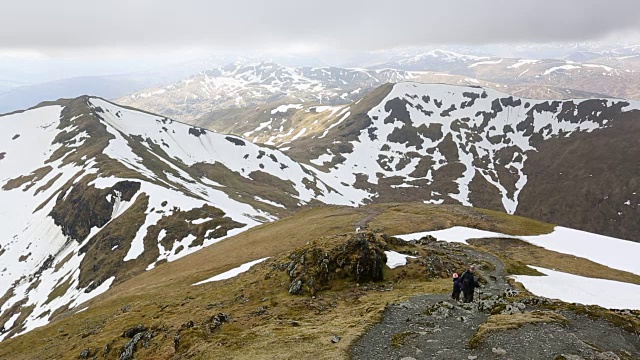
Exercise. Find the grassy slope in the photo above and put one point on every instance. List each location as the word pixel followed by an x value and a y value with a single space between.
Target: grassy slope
pixel 164 299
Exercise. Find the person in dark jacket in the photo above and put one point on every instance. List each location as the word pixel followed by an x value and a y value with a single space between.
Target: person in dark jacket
pixel 469 283
pixel 455 295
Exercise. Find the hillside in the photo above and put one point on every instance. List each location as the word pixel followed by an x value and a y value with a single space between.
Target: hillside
pixel 254 315
pixel 563 161
pixel 93 194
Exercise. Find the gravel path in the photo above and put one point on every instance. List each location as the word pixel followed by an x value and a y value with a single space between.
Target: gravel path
pixel 405 331
pixel 433 326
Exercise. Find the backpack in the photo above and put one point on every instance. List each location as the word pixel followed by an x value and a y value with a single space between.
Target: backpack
pixel 466 281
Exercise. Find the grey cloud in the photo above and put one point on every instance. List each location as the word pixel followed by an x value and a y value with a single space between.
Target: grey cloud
pixel 373 24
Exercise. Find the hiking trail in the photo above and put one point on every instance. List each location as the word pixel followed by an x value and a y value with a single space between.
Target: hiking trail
pixel 434 326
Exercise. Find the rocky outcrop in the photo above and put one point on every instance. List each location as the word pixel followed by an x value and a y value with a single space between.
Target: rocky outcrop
pixel 360 259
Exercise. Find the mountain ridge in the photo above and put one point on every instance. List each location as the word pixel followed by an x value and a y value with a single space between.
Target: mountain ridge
pixel 117 192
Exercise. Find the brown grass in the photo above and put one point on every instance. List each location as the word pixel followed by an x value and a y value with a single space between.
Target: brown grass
pixel 59 290
pixel 163 298
pixel 415 217
pixel 627 321
pixel 507 322
pixel 24 179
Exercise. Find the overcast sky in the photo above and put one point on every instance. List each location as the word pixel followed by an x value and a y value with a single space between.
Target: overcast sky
pixel 42 40
pixel 72 25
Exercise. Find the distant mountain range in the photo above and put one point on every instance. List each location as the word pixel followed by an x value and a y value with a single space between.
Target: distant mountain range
pixel 611 74
pixel 239 85
pixel 243 86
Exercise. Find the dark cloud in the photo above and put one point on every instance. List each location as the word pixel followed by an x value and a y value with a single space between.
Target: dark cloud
pixel 344 24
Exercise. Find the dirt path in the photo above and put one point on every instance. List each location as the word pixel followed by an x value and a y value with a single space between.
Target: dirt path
pixel 433 326
pixel 364 222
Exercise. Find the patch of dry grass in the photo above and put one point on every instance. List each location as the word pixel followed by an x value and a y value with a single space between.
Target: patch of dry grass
pixel 397 219
pixel 517 225
pixel 627 320
pixel 400 339
pixel 508 322
pixel 59 290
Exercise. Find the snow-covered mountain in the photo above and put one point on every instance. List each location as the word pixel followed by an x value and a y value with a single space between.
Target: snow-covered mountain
pixel 239 85
pixel 472 146
pixel 92 194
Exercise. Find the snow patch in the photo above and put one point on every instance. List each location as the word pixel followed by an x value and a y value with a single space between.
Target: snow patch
pixel 231 273
pixel 396 259
pixel 285 108
pixel 612 252
pixel 582 290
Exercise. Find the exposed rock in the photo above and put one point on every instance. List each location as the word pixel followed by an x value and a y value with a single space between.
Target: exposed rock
pixel 569 357
pixel 176 342
pixel 607 356
pixel 335 339
pixel 133 331
pixel 499 351
pixel 84 354
pixel 217 320
pixel 441 310
pixel 296 287
pixel 131 346
pixel 510 310
pixel 360 258
pixel 425 240
pixel 261 310
pixel 85 207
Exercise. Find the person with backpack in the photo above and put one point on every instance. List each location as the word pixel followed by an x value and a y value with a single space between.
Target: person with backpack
pixel 455 295
pixel 468 283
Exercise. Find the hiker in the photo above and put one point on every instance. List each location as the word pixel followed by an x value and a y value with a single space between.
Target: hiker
pixel 455 295
pixel 469 283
